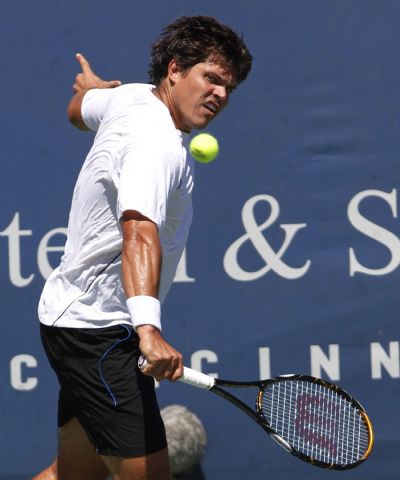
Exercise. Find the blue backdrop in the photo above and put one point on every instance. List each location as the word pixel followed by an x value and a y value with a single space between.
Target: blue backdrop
pixel 294 254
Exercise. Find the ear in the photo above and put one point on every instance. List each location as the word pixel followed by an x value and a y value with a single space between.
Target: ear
pixel 174 72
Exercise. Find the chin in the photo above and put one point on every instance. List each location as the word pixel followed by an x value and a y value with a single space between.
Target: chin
pixel 201 124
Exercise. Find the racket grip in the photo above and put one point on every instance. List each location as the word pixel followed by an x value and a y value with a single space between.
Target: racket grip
pixel 197 379
pixel 190 376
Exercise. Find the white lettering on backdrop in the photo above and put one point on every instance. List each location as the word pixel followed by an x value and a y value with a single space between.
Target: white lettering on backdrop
pixel 324 362
pixel 17 238
pixel 273 260
pixel 374 231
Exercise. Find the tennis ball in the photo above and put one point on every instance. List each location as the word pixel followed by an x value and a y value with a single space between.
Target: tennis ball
pixel 204 147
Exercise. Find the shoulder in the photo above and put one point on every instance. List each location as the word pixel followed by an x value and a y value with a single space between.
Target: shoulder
pixel 134 91
pixel 155 142
pixel 151 123
pixel 124 96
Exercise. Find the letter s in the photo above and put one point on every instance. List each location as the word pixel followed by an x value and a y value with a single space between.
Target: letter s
pixel 374 231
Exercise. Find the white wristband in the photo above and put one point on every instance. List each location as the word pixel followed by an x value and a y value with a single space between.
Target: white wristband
pixel 144 310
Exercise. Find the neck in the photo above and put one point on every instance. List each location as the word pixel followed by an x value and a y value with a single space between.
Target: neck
pixel 163 93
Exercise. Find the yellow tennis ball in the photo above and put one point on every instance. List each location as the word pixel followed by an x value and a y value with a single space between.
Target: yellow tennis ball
pixel 204 147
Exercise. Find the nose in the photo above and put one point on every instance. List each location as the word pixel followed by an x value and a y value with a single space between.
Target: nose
pixel 221 93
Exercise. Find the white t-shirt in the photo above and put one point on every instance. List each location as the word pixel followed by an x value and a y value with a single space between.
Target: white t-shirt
pixel 137 162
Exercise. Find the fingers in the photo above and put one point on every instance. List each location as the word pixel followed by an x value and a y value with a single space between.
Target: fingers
pixel 166 369
pixel 77 87
pixel 83 63
pixel 87 79
pixel 174 369
pixel 81 83
pixel 170 368
pixel 163 361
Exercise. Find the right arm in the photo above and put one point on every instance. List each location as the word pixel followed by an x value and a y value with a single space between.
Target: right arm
pixel 141 267
pixel 84 81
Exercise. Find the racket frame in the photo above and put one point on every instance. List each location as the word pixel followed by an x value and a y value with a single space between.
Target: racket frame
pixel 258 416
pixel 217 386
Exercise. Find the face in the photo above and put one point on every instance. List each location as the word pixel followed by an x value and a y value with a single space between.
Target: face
pixel 199 94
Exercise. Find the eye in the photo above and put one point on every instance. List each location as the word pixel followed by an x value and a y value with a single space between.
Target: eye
pixel 211 78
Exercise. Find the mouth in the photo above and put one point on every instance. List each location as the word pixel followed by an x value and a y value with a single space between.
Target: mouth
pixel 211 107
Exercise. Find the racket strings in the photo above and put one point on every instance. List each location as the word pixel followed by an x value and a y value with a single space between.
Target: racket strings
pixel 363 435
pixel 315 438
pixel 316 421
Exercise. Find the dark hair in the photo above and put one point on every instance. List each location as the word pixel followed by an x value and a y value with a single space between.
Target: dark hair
pixel 192 40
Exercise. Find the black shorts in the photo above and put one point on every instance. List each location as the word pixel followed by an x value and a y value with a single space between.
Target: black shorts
pixel 102 386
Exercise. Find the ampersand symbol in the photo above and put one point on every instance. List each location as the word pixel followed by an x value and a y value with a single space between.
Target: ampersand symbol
pixel 273 260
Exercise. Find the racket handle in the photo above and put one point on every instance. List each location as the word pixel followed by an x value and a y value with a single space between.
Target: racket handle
pixel 197 379
pixel 190 376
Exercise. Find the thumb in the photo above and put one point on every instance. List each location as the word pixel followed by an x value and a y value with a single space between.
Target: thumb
pixel 114 83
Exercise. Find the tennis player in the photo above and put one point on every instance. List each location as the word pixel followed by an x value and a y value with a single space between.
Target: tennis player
pixel 128 225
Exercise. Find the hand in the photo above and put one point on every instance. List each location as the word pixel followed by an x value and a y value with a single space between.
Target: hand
pixel 87 79
pixel 163 361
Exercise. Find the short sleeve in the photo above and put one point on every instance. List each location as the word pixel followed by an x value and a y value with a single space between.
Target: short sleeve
pixel 94 106
pixel 147 178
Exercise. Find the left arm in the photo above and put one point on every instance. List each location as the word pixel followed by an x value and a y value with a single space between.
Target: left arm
pixel 85 81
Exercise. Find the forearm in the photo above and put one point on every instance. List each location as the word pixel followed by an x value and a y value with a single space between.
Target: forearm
pixel 141 267
pixel 141 260
pixel 141 270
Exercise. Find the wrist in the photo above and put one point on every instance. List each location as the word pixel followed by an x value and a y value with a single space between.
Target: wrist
pixel 146 330
pixel 145 311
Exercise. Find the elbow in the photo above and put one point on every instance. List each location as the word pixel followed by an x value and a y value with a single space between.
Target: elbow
pixel 139 230
pixel 141 239
pixel 140 235
pixel 70 113
pixel 74 114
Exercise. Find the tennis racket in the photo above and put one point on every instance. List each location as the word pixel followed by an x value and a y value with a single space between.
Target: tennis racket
pixel 314 420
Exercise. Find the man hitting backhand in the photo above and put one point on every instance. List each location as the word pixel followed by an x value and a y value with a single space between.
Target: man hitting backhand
pixel 128 225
